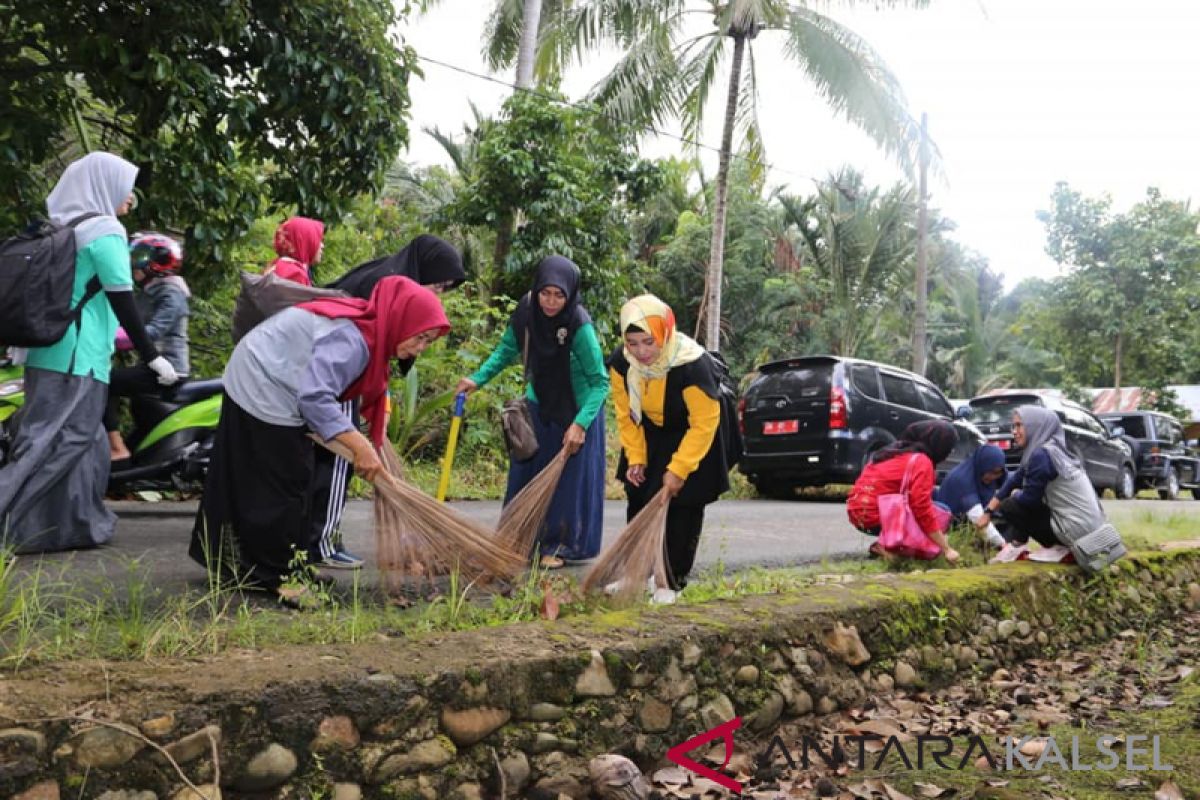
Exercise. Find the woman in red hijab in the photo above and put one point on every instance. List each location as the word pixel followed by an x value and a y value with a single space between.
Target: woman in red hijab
pixel 286 378
pixel 299 242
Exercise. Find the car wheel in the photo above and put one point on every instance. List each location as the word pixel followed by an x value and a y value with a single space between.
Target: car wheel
pixel 775 488
pixel 1170 490
pixel 1196 494
pixel 1126 486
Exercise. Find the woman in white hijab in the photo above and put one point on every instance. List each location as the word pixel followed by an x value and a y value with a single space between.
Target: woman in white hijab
pixel 52 489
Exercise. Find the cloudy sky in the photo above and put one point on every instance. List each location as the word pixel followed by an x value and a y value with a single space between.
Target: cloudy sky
pixel 1020 94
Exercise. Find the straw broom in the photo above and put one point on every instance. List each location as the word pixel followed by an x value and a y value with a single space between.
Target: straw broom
pixel 416 535
pixel 522 518
pixel 637 554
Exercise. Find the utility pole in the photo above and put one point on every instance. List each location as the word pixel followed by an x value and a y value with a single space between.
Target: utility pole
pixel 921 315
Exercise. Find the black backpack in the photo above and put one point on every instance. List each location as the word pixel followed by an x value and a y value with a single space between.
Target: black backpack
pixel 730 432
pixel 37 276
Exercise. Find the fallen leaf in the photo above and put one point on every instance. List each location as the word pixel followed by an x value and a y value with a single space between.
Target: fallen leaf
pixel 673 776
pixel 929 790
pixel 1168 791
pixel 1033 748
pixel 893 793
pixel 549 609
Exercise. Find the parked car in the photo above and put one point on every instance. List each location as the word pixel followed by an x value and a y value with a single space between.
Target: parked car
pixel 1164 461
pixel 815 420
pixel 1107 460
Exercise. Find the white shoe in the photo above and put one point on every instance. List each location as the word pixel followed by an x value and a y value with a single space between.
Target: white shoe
pixel 650 584
pixel 612 588
pixel 664 597
pixel 1051 555
pixel 1011 552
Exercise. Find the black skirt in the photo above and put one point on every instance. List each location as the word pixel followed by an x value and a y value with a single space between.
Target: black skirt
pixel 253 518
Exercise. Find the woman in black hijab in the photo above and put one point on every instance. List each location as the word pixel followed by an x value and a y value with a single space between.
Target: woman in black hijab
pixel 431 262
pixel 428 260
pixel 566 386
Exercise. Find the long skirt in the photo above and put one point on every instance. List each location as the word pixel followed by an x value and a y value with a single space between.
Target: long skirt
pixel 575 521
pixel 52 490
pixel 253 518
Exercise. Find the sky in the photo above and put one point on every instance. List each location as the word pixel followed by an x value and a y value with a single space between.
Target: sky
pixel 1020 94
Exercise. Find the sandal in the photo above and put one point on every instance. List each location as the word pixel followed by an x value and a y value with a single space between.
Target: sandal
pixel 552 562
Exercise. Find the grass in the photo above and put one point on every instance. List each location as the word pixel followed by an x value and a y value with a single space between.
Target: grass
pixel 1147 527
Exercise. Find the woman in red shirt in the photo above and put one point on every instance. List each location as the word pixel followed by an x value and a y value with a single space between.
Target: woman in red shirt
pixel 919 448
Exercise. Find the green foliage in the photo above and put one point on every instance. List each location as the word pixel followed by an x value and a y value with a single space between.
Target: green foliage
pixel 549 178
pixel 229 108
pixel 1121 313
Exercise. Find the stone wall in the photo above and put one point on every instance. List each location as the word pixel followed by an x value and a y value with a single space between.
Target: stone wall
pixel 447 716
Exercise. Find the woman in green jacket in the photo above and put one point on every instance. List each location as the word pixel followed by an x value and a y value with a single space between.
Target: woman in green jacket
pixel 567 385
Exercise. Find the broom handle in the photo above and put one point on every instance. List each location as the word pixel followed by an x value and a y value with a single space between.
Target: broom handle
pixel 339 449
pixel 460 402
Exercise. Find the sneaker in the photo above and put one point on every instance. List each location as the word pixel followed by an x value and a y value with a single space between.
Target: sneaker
pixel 342 559
pixel 613 588
pixel 1011 552
pixel 1058 554
pixel 993 538
pixel 664 597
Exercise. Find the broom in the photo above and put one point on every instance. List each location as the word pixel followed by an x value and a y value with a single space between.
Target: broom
pixel 418 536
pixel 637 554
pixel 522 518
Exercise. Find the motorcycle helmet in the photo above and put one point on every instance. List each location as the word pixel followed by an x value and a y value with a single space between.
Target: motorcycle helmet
pixel 155 254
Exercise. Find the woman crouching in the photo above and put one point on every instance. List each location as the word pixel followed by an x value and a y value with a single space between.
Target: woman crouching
pixel 666 393
pixel 287 377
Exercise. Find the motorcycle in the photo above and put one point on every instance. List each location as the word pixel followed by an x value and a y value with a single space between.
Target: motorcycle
pixel 171 440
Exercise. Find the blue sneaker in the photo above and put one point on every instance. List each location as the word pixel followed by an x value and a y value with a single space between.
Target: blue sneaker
pixel 342 560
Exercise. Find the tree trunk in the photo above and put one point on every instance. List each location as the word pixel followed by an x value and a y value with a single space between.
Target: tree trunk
pixel 920 313
pixel 531 16
pixel 716 255
pixel 1117 366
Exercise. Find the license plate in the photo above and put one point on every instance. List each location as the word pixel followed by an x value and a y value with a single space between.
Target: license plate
pixel 781 426
pixel 1003 444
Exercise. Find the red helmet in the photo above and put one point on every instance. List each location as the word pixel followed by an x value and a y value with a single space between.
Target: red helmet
pixel 155 254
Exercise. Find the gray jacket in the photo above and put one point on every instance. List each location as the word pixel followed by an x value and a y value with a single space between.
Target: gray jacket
pixel 164 309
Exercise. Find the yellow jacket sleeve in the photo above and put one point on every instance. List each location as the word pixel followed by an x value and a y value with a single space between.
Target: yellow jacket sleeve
pixel 633 438
pixel 704 416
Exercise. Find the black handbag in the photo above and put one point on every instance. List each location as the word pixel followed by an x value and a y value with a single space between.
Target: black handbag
pixel 516 420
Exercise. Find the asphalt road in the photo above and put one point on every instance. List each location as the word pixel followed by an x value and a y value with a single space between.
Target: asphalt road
pixel 152 538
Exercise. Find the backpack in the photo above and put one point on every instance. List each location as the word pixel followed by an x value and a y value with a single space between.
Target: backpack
pixel 37 277
pixel 264 296
pixel 730 431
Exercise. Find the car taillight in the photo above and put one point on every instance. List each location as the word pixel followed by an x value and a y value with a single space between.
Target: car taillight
pixel 742 415
pixel 837 409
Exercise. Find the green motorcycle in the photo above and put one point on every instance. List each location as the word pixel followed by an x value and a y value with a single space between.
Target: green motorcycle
pixel 172 435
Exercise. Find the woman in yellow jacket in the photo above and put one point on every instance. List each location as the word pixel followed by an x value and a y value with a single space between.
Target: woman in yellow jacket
pixel 666 391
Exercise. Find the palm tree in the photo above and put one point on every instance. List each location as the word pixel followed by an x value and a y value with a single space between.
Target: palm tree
pixel 668 73
pixel 860 242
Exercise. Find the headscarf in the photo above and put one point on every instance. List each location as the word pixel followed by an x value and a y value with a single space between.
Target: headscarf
pixel 97 183
pixel 549 357
pixel 650 315
pixel 1043 429
pixel 399 309
pixel 426 260
pixel 297 241
pixel 933 437
pixel 966 480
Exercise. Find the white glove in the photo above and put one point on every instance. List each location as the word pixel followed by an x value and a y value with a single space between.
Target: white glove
pixel 167 376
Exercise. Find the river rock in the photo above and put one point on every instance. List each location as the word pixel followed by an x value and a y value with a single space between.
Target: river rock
pixel 1006 628
pixel 747 675
pixel 127 794
pixel 269 768
pixel 691 655
pixel 21 741
pixel 768 714
pixel 546 712
pixel 617 778
pixel 472 725
pixel 347 791
pixel 1024 628
pixel 718 710
pixel 194 745
pixel 105 748
pixel 654 715
pixel 429 754
pixel 515 768
pixel 336 733
pixel 905 676
pixel 207 792
pixel 845 643
pixel 46 790
pixel 158 727
pixel 545 742
pixel 594 681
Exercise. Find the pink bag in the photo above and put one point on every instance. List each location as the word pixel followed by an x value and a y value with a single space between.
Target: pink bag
pixel 900 533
